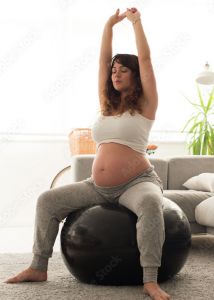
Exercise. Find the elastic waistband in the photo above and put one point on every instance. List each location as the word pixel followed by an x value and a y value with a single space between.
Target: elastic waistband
pixel 150 169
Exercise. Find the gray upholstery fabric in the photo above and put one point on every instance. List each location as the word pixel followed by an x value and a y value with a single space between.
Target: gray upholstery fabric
pixel 187 200
pixel 161 168
pixel 81 166
pixel 182 168
pixel 210 230
pixel 197 228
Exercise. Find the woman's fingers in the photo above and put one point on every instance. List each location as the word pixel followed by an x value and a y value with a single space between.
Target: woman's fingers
pixel 118 17
pixel 132 14
pixel 133 9
pixel 123 15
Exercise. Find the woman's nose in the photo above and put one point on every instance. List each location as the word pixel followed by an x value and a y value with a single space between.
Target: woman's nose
pixel 117 73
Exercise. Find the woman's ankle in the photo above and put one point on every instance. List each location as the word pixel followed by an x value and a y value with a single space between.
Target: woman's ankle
pixel 150 274
pixel 39 263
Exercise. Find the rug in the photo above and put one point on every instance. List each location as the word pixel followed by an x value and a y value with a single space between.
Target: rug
pixel 194 281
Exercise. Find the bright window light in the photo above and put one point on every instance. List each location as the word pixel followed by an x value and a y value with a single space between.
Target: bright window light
pixel 49 60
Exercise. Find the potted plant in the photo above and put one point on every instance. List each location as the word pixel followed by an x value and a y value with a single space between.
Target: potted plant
pixel 200 126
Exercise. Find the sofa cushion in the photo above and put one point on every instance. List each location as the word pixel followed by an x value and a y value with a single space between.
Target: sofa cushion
pixel 204 212
pixel 182 168
pixel 187 200
pixel 197 228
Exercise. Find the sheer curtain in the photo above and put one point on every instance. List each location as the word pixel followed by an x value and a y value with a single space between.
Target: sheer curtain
pixel 49 60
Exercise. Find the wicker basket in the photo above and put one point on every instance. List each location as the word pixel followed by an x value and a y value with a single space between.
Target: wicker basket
pixel 81 142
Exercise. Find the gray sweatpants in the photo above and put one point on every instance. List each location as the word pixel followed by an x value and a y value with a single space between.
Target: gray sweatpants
pixel 142 195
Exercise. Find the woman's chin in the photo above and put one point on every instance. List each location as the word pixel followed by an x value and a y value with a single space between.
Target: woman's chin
pixel 118 89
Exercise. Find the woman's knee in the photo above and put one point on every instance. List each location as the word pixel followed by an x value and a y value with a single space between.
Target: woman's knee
pixel 151 200
pixel 45 200
pixel 150 210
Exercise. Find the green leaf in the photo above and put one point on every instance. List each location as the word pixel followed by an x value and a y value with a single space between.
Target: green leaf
pixel 196 126
pixel 204 145
pixel 189 121
pixel 192 103
pixel 200 98
pixel 211 140
pixel 197 147
pixel 210 100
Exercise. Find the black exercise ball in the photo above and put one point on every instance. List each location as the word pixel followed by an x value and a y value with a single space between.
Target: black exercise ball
pixel 98 244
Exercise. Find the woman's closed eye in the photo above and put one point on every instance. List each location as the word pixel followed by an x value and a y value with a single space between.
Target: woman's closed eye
pixel 122 69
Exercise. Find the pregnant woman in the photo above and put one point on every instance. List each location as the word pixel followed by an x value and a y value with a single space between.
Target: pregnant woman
pixel 121 172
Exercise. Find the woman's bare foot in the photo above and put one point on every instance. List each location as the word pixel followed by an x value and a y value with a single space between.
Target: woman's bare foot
pixel 28 275
pixel 155 292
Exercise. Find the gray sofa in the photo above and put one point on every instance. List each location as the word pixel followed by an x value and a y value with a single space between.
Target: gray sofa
pixel 173 171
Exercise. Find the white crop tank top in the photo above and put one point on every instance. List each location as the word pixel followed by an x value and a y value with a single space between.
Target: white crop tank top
pixel 132 131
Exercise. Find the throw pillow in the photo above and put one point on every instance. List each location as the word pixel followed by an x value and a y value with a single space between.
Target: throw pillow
pixel 204 212
pixel 201 182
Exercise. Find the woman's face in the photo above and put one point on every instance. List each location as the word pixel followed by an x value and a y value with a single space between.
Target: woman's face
pixel 122 78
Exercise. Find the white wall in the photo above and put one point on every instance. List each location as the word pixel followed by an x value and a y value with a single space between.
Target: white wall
pixel 26 170
pixel 28 167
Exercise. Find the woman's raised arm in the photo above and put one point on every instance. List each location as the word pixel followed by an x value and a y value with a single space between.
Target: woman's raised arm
pixel 106 53
pixel 147 76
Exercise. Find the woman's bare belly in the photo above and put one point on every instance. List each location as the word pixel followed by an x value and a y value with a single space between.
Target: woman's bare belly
pixel 115 164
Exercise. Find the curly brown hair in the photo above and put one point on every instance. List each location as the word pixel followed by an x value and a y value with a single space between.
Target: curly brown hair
pixel 113 98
